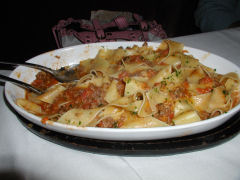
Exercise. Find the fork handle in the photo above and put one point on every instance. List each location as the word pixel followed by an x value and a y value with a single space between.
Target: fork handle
pixel 35 66
pixel 21 84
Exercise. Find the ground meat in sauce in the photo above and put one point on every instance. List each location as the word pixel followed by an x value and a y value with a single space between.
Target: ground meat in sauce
pixel 205 115
pixel 165 112
pixel 43 81
pixel 133 59
pixel 179 92
pixel 73 97
pixel 109 122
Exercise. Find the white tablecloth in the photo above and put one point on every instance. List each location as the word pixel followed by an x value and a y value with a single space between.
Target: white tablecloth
pixel 24 155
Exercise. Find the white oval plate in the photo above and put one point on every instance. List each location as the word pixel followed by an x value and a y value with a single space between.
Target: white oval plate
pixel 72 55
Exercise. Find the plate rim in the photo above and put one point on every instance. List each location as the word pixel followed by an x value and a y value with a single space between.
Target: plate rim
pixel 34 118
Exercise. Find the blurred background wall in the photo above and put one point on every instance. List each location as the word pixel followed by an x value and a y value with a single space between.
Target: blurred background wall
pixel 27 25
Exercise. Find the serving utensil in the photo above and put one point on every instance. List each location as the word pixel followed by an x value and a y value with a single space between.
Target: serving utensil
pixel 64 74
pixel 21 84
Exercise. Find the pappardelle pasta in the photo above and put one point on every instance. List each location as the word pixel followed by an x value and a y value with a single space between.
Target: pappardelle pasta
pixel 135 87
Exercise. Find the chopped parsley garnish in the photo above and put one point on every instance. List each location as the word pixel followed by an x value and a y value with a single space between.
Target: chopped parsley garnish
pixel 134 112
pixel 100 105
pixel 115 124
pixel 177 73
pixel 225 92
pixel 164 83
pixel 155 89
